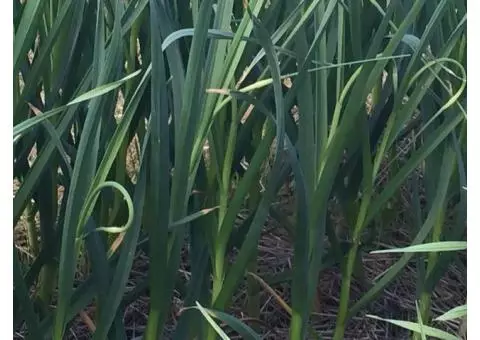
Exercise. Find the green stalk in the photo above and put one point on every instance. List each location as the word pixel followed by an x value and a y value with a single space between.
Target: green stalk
pixel 158 201
pixel 221 77
pixel 432 261
pixel 219 272
pixel 417 223
pixel 48 209
pixel 356 238
pixel 308 163
pixel 47 280
pixel 186 118
pixel 32 233
pixel 16 89
pixel 237 200
pixel 253 287
pixel 321 88
pixel 376 94
pixel 253 290
pixel 225 184
pixel 83 173
pixel 132 53
pixel 345 291
pixel 221 154
pixel 340 52
pixel 112 210
pixel 228 161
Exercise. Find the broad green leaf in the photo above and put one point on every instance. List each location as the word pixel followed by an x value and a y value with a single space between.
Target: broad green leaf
pixel 234 323
pixel 415 327
pixel 193 216
pixel 96 92
pixel 454 313
pixel 426 247
pixel 212 322
pixel 101 90
pixel 420 322
pixel 26 30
